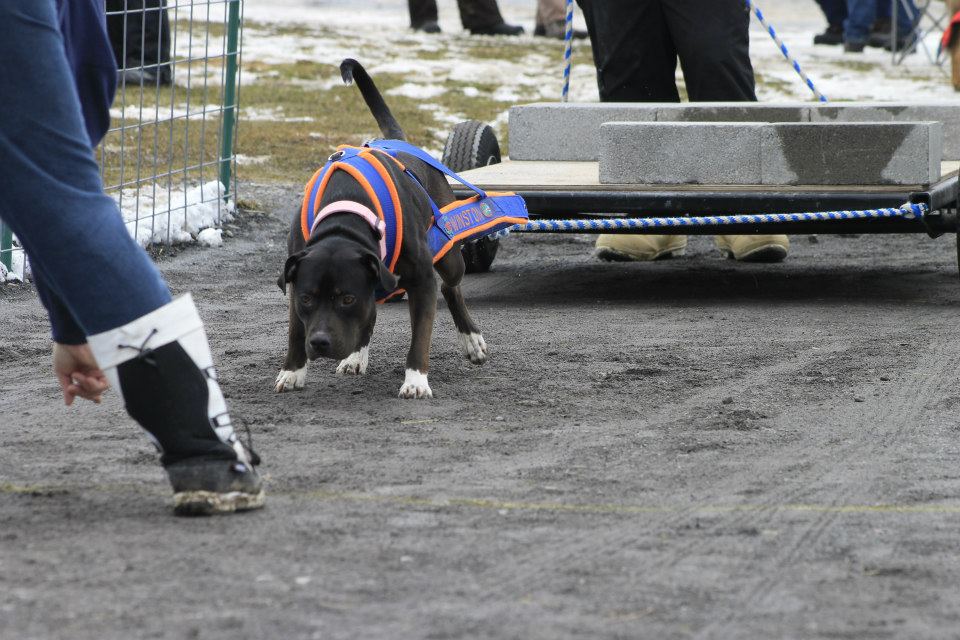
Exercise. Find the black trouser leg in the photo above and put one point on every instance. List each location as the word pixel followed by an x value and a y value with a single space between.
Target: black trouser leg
pixel 712 38
pixel 632 50
pixel 147 29
pixel 422 11
pixel 479 14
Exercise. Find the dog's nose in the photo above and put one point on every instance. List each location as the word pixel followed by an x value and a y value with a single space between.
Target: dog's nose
pixel 320 341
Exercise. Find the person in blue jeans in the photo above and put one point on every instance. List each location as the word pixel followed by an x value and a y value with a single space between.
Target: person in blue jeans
pixel 112 317
pixel 868 22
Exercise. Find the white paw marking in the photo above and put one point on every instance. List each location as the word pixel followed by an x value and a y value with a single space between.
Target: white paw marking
pixel 355 364
pixel 289 380
pixel 415 385
pixel 473 347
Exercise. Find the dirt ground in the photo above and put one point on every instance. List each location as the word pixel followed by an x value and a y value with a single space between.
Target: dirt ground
pixel 687 449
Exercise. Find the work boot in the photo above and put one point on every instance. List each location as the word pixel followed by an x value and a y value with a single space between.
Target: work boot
pixel 558 31
pixel 162 367
pixel 833 35
pixel 502 29
pixel 430 26
pixel 880 33
pixel 639 248
pixel 854 46
pixel 754 248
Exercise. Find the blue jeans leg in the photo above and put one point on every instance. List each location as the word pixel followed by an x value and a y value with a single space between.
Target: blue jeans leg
pixel 860 17
pixel 94 276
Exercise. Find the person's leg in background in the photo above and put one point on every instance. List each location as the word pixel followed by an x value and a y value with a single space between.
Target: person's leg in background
pixel 139 33
pixel 552 20
pixel 715 58
pixel 636 62
pixel 482 17
pixel 861 15
pixel 96 282
pixel 882 33
pixel 835 11
pixel 423 15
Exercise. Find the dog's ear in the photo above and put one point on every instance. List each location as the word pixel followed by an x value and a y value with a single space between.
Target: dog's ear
pixel 388 281
pixel 289 270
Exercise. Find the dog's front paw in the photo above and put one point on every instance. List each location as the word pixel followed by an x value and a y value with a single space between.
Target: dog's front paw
pixel 415 385
pixel 289 380
pixel 473 347
pixel 354 364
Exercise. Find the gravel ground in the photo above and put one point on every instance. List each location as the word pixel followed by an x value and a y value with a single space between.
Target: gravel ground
pixel 688 449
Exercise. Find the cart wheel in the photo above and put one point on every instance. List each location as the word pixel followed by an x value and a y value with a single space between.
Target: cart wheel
pixel 473 144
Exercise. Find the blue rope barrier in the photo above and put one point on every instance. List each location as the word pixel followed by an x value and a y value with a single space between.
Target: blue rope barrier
pixel 567 52
pixel 783 50
pixel 908 211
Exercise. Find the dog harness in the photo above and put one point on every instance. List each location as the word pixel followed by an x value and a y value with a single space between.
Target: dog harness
pixel 460 221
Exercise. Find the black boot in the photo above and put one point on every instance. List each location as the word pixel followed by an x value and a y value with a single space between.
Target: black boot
pixel 162 366
pixel 832 36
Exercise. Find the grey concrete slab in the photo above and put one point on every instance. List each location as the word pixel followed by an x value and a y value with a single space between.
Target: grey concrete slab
pixel 851 153
pixel 680 153
pixel 552 131
pixel 570 132
pixel 739 153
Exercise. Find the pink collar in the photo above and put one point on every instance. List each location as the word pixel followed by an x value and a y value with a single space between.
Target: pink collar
pixel 348 206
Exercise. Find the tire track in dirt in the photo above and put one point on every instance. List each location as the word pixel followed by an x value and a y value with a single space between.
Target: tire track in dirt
pixel 913 394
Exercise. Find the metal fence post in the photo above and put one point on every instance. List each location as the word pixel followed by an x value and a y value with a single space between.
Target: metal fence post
pixel 229 95
pixel 6 246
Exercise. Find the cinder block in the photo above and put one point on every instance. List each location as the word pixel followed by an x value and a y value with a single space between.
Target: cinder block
pixel 565 131
pixel 946 113
pixel 851 153
pixel 680 153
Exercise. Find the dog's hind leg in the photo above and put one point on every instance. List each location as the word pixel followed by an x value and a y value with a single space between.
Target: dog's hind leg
pixel 472 344
pixel 294 371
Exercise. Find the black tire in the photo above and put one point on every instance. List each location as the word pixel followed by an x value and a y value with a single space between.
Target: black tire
pixel 470 145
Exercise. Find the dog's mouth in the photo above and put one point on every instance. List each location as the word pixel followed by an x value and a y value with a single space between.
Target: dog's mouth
pixel 329 353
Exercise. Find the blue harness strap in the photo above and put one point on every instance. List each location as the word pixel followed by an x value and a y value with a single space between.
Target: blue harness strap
pixel 463 220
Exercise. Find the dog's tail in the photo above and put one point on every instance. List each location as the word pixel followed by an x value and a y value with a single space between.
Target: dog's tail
pixel 352 71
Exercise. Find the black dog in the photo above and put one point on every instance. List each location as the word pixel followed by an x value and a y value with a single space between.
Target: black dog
pixel 331 278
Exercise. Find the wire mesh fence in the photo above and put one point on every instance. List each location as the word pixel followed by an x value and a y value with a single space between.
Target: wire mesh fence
pixel 168 157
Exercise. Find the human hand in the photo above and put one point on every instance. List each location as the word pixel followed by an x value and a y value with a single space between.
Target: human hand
pixel 78 373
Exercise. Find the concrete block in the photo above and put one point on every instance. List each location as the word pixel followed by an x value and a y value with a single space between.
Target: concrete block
pixel 566 132
pixel 851 153
pixel 680 153
pixel 745 153
pixel 571 131
pixel 946 113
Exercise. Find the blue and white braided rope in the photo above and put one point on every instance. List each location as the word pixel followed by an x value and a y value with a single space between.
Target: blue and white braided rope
pixel 908 211
pixel 567 52
pixel 783 50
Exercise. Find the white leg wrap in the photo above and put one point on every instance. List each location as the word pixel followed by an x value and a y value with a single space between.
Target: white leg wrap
pixel 176 321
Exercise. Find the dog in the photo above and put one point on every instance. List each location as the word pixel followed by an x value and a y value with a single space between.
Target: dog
pixel 331 276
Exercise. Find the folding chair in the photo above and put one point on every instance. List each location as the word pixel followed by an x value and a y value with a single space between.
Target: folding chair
pixel 930 18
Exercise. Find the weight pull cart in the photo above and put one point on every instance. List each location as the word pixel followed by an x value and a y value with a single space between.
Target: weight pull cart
pixel 571 193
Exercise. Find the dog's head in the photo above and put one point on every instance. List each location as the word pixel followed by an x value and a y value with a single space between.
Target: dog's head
pixel 333 286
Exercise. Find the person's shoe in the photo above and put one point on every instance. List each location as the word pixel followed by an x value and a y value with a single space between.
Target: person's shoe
pixel 558 30
pixel 754 248
pixel 905 45
pixel 854 46
pixel 639 248
pixel 502 29
pixel 430 26
pixel 210 487
pixel 832 36
pixel 162 366
pixel 879 33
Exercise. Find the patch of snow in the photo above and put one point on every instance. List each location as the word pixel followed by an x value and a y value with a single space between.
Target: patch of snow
pixel 471 92
pixel 175 216
pixel 210 237
pixel 247 160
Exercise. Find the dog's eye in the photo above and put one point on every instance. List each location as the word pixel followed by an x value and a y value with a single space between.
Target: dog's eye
pixel 305 299
pixel 347 300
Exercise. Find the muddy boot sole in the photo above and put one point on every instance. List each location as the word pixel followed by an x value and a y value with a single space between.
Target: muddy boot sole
pixel 210 503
